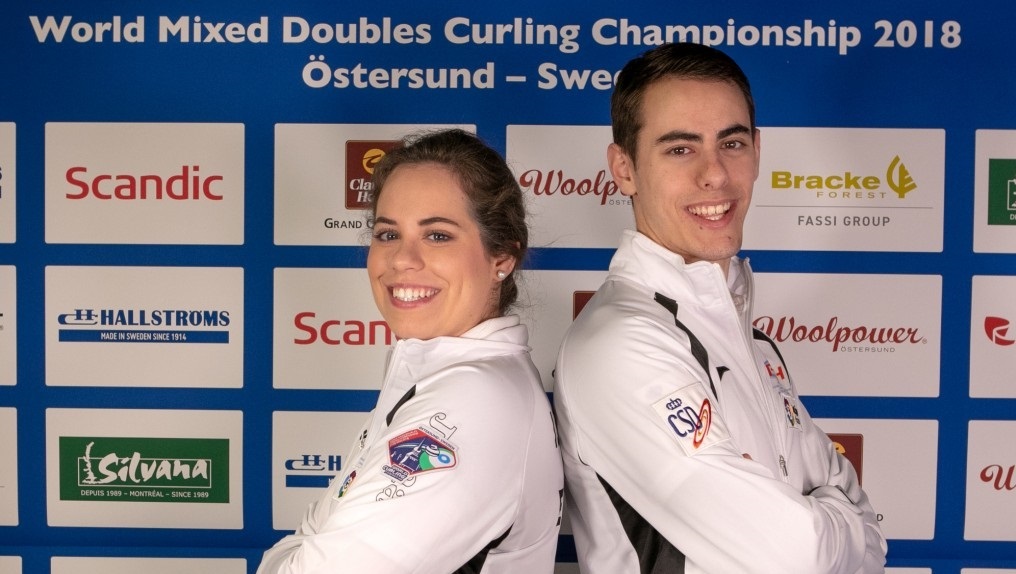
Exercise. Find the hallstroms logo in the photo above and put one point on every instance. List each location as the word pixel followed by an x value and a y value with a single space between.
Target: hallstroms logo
pixel 146 326
pixel 361 158
pixel 848 185
pixel 312 470
pixel 137 469
pixel 1002 192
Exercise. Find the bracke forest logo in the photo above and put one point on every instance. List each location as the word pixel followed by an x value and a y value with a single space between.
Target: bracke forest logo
pixel 136 469
pixel 1002 192
pixel 361 158
pixel 144 326
pixel 848 185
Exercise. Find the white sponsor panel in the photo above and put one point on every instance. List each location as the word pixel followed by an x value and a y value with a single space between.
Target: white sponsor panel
pixel 327 332
pixel 9 471
pixel 141 483
pixel 993 337
pixel 849 189
pixel 144 326
pixel 899 472
pixel 570 194
pixel 550 301
pixel 8 326
pixel 323 178
pixel 855 334
pixel 157 183
pixel 987 571
pixel 908 571
pixel 995 191
pixel 94 565
pixel 10 564
pixel 8 182
pixel 991 481
pixel 308 451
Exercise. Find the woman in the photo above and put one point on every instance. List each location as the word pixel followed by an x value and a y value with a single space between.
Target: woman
pixel 457 468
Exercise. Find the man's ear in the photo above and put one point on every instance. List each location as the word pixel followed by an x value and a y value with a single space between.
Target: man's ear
pixel 622 169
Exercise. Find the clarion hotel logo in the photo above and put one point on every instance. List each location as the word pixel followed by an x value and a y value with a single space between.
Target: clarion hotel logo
pixel 842 338
pixel 361 158
pixel 134 469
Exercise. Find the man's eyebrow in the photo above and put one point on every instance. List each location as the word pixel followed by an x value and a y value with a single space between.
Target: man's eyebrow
pixel 679 135
pixel 733 130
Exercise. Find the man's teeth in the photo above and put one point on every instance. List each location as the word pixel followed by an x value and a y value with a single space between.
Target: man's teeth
pixel 411 293
pixel 711 212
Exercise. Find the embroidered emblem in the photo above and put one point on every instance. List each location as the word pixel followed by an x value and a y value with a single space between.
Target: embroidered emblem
pixel 689 416
pixel 418 451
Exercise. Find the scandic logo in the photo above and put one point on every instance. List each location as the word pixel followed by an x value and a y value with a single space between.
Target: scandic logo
pixel 850 185
pixel 338 332
pixel 997 330
pixel 790 329
pixel 186 184
pixel 553 182
pixel 361 158
pixel 150 326
pixel 140 469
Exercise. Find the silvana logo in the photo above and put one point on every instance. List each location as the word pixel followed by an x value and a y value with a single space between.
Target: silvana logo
pixel 997 330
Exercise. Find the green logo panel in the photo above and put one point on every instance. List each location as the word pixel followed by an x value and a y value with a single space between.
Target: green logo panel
pixel 136 469
pixel 1002 192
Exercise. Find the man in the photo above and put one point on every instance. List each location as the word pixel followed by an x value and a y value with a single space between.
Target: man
pixel 685 445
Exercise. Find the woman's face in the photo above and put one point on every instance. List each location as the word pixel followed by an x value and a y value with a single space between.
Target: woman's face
pixel 429 272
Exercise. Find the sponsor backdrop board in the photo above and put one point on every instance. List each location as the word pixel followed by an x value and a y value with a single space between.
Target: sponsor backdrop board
pixel 187 338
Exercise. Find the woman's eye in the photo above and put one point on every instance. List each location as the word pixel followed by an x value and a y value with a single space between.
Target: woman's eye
pixel 384 235
pixel 438 236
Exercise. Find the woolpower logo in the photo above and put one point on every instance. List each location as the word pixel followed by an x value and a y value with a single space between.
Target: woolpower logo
pixel 136 469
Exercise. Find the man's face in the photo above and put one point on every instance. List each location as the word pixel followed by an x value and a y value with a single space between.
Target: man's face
pixel 696 162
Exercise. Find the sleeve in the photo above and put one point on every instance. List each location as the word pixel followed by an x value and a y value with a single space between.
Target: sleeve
pixel 835 483
pixel 690 482
pixel 438 487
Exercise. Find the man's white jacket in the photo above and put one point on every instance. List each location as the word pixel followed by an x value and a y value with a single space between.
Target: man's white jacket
pixel 686 447
pixel 456 470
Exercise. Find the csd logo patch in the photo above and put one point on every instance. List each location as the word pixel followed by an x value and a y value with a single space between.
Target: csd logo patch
pixel 689 417
pixel 419 451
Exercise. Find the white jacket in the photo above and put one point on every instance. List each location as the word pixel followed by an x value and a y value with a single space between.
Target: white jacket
pixel 456 470
pixel 662 389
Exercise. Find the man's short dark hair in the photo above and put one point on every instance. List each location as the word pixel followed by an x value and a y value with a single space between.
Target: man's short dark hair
pixel 683 60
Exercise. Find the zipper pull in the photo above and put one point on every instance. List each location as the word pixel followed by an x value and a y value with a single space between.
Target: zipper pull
pixel 783 465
